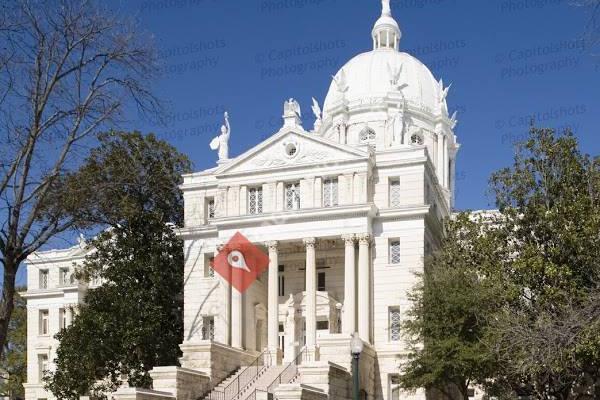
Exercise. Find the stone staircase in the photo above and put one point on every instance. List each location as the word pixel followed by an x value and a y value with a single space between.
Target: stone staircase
pixel 224 390
pixel 262 383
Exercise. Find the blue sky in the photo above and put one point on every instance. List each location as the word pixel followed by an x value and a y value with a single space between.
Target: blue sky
pixel 507 61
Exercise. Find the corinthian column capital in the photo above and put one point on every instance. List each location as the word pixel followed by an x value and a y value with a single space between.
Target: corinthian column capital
pixel 309 242
pixel 364 238
pixel 349 239
pixel 272 245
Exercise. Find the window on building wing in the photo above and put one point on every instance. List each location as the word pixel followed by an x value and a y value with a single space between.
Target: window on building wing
pixel 208 328
pixel 44 328
pixel 44 279
pixel 395 193
pixel 394 324
pixel 395 252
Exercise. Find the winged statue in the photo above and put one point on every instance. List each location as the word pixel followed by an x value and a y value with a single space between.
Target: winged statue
pixel 341 81
pixel 316 109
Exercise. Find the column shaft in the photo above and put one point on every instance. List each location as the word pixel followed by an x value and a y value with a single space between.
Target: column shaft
pixel 237 318
pixel 364 286
pixel 349 323
pixel 311 298
pixel 273 302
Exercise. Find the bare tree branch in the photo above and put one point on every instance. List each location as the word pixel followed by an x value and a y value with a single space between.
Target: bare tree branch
pixel 67 70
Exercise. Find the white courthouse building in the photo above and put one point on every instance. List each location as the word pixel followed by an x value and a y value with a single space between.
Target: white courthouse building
pixel 346 209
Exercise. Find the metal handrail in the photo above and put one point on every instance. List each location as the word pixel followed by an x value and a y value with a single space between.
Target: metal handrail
pixel 252 395
pixel 241 381
pixel 289 372
pixel 278 380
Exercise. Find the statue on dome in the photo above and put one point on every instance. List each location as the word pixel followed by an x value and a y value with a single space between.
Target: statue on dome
pixel 316 109
pixel 395 74
pixel 396 127
pixel 221 142
pixel 454 120
pixel 443 91
pixel 341 82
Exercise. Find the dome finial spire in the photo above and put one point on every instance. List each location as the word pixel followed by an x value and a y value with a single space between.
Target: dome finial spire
pixel 386 32
pixel 385 8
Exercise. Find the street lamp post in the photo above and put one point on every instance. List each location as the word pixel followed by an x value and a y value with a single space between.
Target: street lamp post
pixel 356 347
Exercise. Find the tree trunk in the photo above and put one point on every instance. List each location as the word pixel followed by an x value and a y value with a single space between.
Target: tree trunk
pixel 8 294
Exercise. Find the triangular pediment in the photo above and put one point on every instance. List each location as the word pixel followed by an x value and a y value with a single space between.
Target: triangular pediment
pixel 291 148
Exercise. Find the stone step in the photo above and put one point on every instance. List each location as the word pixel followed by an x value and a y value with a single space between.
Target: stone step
pixel 220 388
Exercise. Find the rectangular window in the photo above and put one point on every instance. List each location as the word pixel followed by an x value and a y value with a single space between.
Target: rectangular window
pixel 330 192
pixel 394 324
pixel 42 365
pixel 208 328
pixel 394 387
pixel 62 318
pixel 210 208
pixel 64 276
pixel 255 200
pixel 395 252
pixel 43 279
pixel 321 287
pixel 292 196
pixel 96 281
pixel 44 322
pixel 395 193
pixel 209 271
pixel 322 325
pixel 281 286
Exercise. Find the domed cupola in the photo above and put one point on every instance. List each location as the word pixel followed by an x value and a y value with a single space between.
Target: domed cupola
pixel 387 100
pixel 386 32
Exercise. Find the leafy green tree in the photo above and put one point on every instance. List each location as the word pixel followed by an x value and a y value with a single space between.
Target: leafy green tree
pixel 524 282
pixel 547 339
pixel 450 311
pixel 13 364
pixel 133 321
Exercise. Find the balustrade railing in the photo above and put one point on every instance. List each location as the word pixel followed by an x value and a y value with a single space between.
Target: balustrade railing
pixel 289 372
pixel 241 380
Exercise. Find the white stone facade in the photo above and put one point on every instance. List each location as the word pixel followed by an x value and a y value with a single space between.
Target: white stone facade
pixel 52 298
pixel 346 212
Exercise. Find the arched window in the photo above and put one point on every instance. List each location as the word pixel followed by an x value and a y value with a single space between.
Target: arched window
pixel 367 135
pixel 417 139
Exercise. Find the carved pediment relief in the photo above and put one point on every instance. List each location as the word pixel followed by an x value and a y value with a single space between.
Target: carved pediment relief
pixel 292 149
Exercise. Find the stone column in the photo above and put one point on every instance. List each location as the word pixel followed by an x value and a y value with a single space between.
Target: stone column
pixel 237 318
pixel 349 323
pixel 273 351
pixel 311 299
pixel 223 330
pixel 364 287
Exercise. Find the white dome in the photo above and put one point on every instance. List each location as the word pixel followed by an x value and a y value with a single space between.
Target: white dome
pixel 369 75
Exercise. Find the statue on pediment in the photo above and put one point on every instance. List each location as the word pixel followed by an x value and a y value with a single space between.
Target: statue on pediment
pixel 221 142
